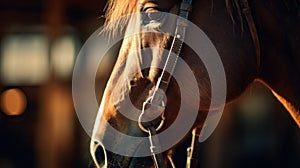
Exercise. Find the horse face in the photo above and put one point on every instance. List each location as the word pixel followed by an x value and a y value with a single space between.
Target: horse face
pixel 131 83
pixel 127 91
pixel 121 141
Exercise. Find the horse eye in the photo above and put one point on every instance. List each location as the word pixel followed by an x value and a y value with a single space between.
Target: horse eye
pixel 155 15
pixel 152 15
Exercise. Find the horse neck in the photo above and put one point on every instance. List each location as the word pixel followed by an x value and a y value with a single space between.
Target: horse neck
pixel 279 36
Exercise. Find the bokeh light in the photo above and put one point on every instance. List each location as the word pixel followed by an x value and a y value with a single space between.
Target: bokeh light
pixel 13 102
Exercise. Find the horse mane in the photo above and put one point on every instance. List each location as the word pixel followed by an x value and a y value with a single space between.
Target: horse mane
pixel 234 6
pixel 234 9
pixel 117 13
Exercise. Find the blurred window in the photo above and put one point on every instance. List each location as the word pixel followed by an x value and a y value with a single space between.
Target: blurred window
pixel 28 58
pixel 63 54
pixel 24 59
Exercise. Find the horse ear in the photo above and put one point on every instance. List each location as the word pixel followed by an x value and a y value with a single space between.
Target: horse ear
pixel 210 124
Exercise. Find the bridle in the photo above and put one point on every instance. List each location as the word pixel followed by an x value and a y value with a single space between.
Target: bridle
pixel 155 105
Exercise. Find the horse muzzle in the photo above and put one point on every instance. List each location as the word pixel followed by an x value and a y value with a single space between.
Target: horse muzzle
pixel 106 159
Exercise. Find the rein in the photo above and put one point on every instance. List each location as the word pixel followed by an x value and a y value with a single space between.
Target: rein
pixel 155 105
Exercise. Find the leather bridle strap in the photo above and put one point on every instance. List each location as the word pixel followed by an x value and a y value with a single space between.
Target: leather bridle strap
pixel 194 150
pixel 180 31
pixel 155 102
pixel 155 148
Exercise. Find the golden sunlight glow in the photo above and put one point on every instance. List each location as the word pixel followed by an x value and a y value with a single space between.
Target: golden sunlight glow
pixel 13 102
pixel 289 107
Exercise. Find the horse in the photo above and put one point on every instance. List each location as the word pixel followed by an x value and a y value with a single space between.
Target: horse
pixel 256 41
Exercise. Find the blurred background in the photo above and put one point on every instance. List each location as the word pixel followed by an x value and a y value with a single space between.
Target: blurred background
pixel 40 40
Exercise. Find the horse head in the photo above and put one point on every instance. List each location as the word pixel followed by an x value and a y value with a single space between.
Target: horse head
pixel 197 88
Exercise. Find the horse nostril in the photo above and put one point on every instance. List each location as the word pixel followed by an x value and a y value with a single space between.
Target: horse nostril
pixel 100 155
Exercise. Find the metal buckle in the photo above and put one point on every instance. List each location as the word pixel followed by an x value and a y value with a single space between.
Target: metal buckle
pixel 151 111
